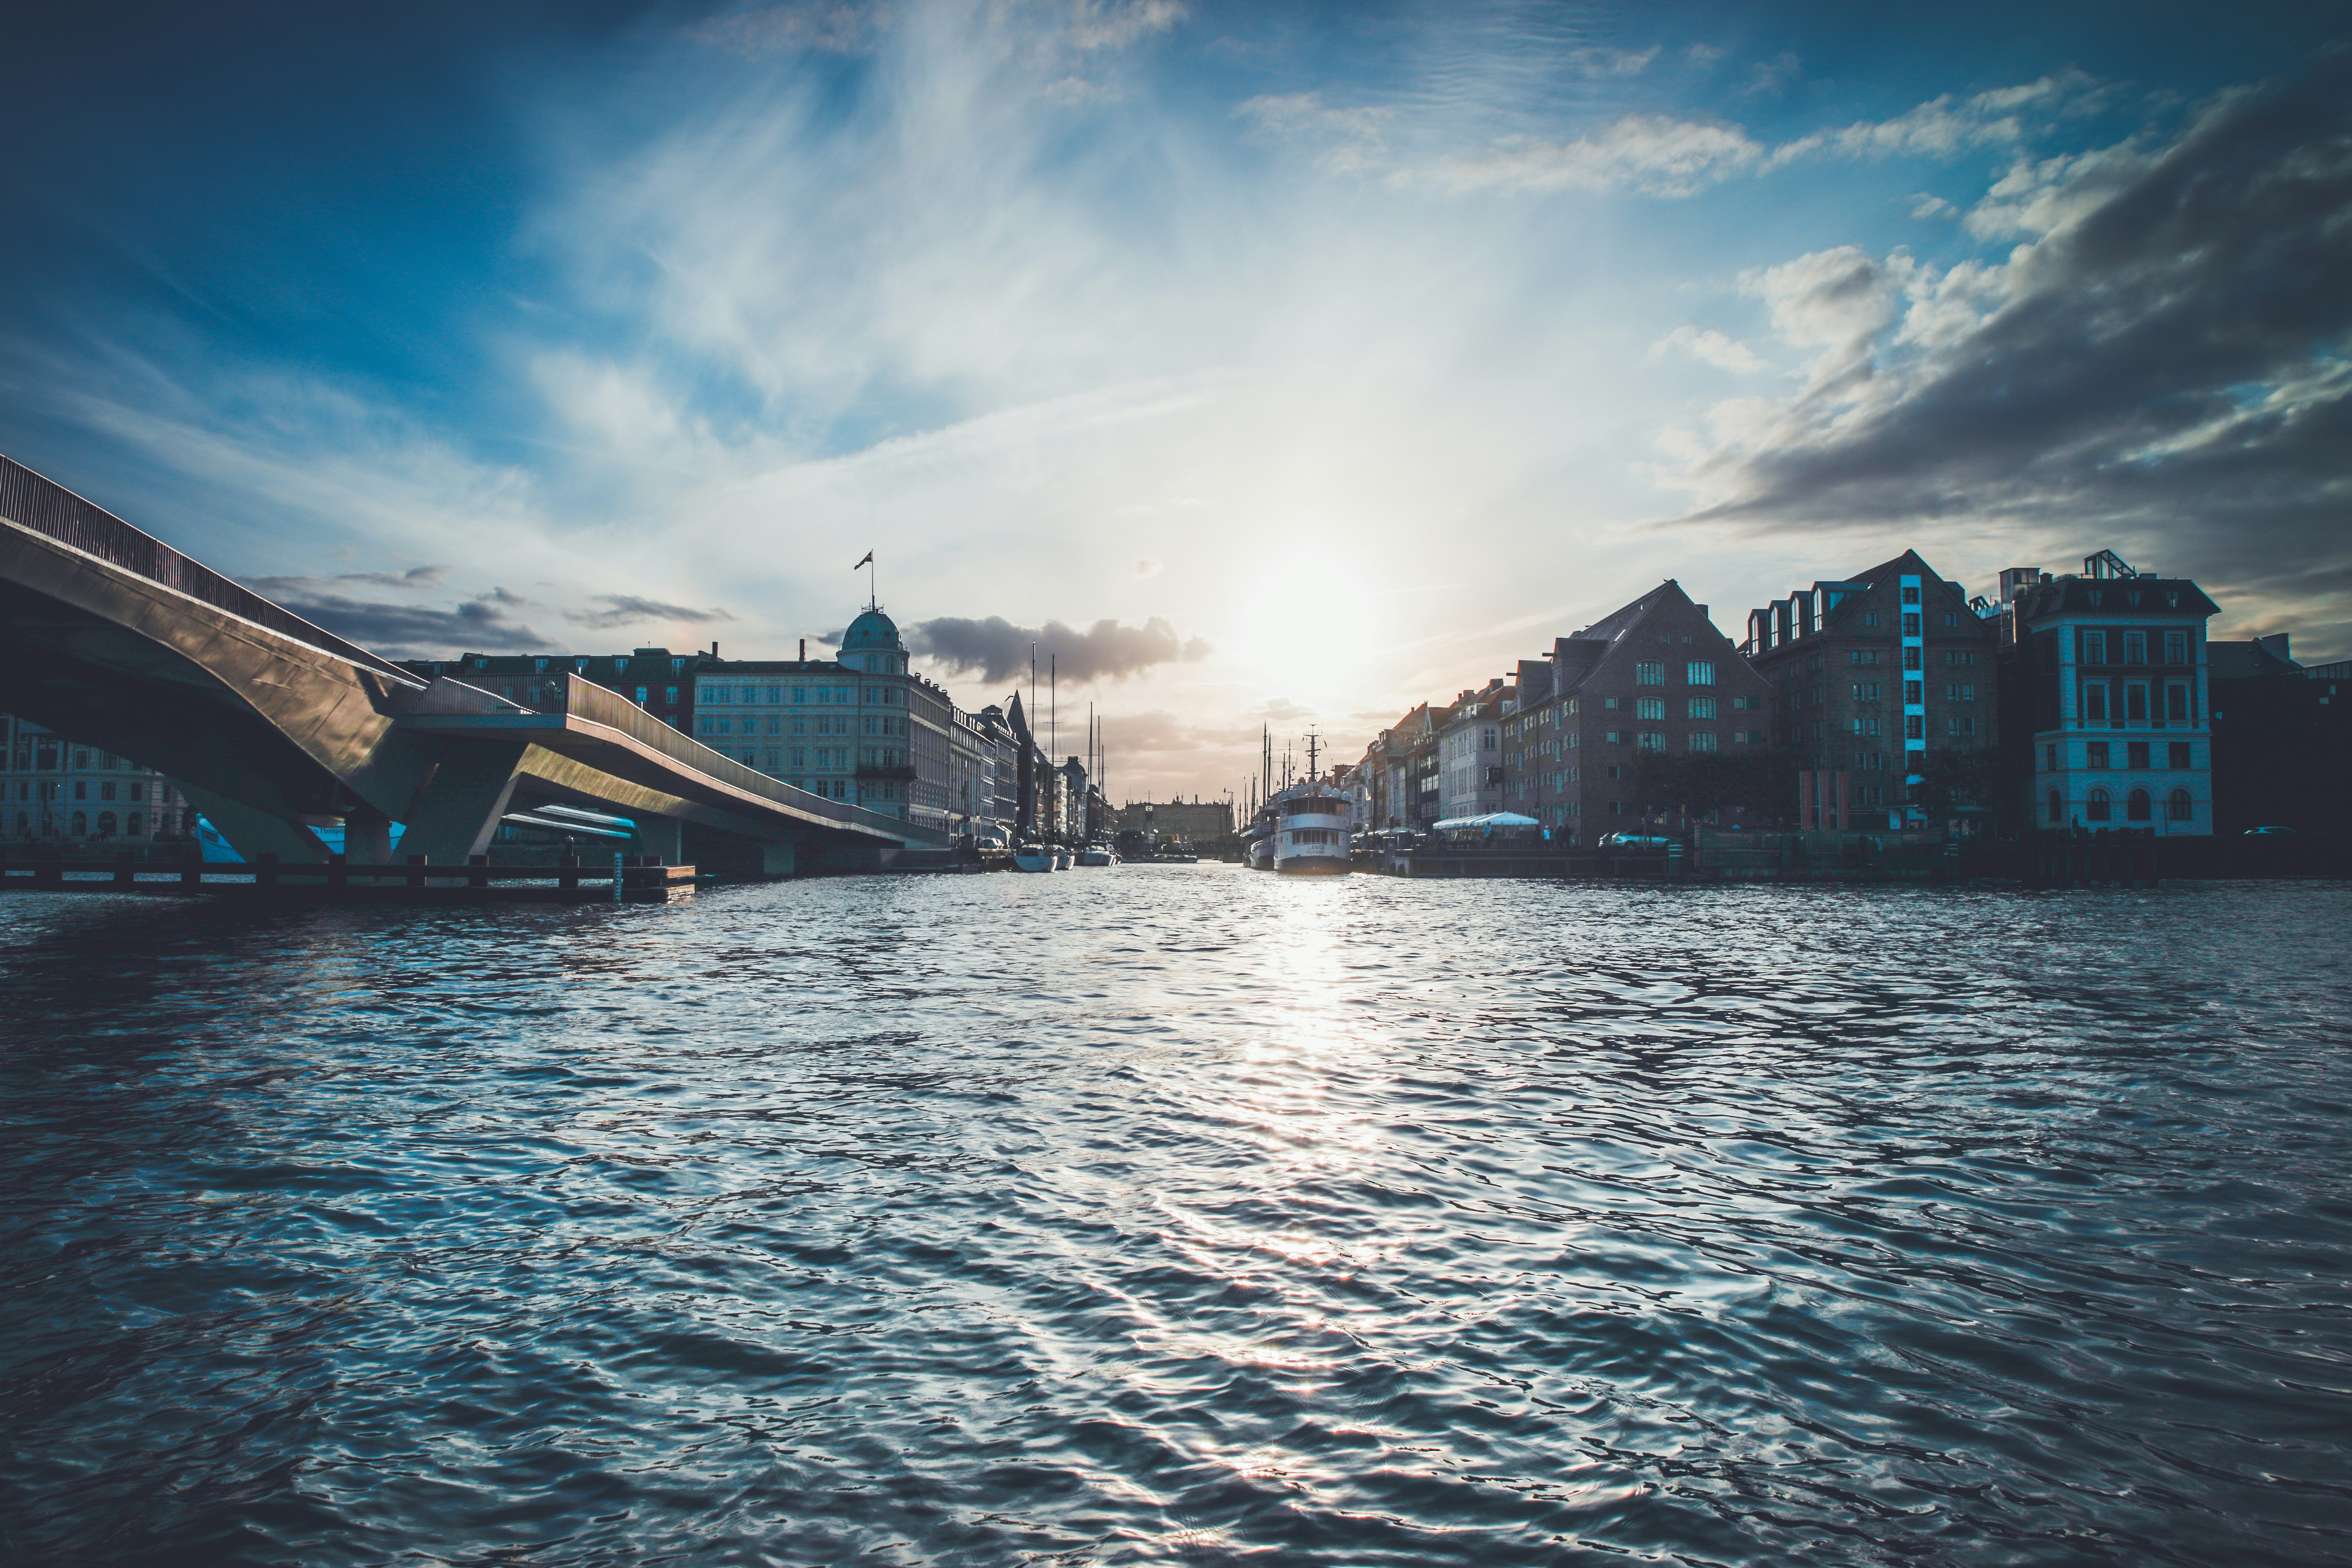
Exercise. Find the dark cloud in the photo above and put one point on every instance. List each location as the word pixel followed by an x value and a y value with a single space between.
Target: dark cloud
pixel 414 577
pixel 417 631
pixel 2162 365
pixel 995 650
pixel 628 609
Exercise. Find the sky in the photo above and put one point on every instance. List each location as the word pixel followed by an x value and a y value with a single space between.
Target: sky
pixel 1264 365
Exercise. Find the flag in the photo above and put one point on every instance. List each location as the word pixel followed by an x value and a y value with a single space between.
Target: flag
pixel 867 561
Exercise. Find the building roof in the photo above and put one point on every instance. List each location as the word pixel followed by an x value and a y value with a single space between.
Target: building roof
pixel 2114 596
pixel 872 629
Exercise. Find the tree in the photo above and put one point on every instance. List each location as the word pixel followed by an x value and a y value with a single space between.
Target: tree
pixel 1953 782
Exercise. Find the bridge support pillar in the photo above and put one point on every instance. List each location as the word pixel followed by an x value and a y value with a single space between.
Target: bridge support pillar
pixel 662 837
pixel 254 832
pixel 458 811
pixel 367 838
pixel 778 860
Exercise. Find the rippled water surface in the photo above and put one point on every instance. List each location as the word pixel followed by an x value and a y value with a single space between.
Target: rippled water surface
pixel 1180 1213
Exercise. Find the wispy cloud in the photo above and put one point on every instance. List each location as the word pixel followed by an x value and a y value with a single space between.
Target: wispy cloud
pixel 480 625
pixel 630 609
pixel 995 650
pixel 1709 347
pixel 1653 154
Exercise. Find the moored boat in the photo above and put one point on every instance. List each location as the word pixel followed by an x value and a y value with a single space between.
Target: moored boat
pixel 1032 857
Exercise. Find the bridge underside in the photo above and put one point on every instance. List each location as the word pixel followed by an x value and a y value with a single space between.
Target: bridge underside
pixel 273 734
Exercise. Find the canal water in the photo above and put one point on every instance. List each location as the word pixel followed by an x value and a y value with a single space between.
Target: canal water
pixel 1182 1215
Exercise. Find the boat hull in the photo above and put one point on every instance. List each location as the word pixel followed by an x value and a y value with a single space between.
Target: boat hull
pixel 1313 865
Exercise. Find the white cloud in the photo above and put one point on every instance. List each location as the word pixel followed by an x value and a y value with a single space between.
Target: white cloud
pixel 1709 347
pixel 1653 154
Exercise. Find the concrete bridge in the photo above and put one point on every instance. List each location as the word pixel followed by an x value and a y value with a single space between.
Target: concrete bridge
pixel 273 727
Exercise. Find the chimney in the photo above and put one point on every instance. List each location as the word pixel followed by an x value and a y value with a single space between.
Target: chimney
pixel 804 650
pixel 714 647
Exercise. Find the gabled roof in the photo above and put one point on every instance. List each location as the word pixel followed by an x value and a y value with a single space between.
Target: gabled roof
pixel 1593 645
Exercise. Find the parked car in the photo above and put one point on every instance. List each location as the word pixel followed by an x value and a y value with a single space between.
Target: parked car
pixel 2266 832
pixel 1636 840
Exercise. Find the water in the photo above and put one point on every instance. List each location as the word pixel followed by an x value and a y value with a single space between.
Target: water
pixel 1182 1215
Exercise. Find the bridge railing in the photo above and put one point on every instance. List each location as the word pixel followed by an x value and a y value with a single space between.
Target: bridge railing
pixel 600 705
pixel 49 508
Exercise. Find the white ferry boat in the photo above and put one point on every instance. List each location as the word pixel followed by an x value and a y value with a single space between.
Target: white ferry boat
pixel 1311 825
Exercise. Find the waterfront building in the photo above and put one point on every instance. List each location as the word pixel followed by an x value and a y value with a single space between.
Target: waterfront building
pixel 1654 679
pixel 655 680
pixel 2108 679
pixel 1195 821
pixel 860 726
pixel 56 791
pixel 1470 752
pixel 1004 764
pixel 1870 672
pixel 2282 738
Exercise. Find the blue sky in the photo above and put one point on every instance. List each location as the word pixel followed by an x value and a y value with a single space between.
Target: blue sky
pixel 1286 364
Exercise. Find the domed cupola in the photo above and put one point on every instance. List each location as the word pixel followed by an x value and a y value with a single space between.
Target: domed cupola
pixel 872 644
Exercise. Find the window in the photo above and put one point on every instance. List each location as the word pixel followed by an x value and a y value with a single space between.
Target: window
pixel 1870 617
pixel 2098 805
pixel 2135 702
pixel 643 694
pixel 2176 703
pixel 1959 691
pixel 2135 755
pixel 1610 704
pixel 1651 741
pixel 2094 647
pixel 2136 805
pixel 2094 755
pixel 1649 708
pixel 669 695
pixel 1869 726
pixel 2057 807
pixel 1914 693
pixel 106 790
pixel 1866 656
pixel 2135 648
pixel 2177 806
pixel 2179 757
pixel 1702 707
pixel 81 787
pixel 1910 658
pixel 2095 701
pixel 1865 691
pixel 1701 672
pixel 1702 740
pixel 1649 672
pixel 80 824
pixel 1961 728
pixel 1910 625
pixel 106 825
pixel 137 827
pixel 1915 728
pixel 1743 703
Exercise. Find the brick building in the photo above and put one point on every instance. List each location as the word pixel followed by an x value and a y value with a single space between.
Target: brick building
pixel 1655 677
pixel 1870 672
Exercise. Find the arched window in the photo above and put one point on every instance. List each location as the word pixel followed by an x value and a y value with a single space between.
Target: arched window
pixel 2098 806
pixel 106 825
pixel 24 825
pixel 81 825
pixel 2177 806
pixel 138 826
pixel 2136 805
pixel 2057 807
